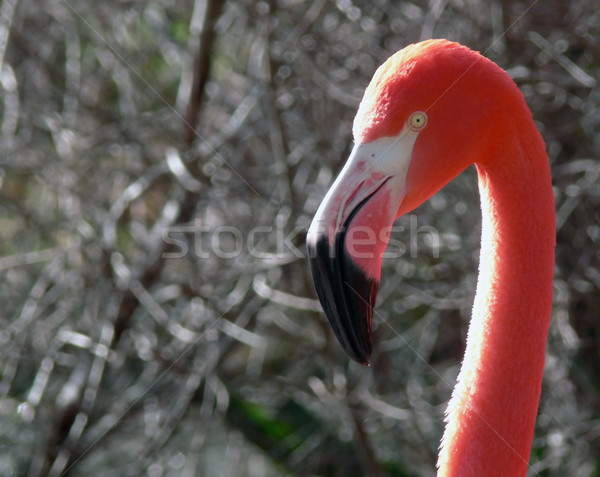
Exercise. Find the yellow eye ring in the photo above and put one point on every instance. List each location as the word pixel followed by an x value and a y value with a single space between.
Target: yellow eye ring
pixel 418 120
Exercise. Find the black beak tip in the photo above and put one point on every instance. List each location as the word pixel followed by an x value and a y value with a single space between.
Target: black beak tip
pixel 346 293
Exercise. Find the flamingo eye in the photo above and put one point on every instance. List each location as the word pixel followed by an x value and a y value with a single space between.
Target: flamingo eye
pixel 418 120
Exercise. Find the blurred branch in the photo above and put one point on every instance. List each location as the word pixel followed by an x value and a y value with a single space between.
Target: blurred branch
pixel 203 365
pixel 202 34
pixel 262 289
pixel 201 48
pixel 28 258
pixel 7 11
pixel 371 464
pixel 77 418
pixel 577 73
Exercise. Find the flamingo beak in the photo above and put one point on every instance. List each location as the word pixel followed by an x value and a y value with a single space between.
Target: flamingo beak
pixel 347 295
pixel 346 242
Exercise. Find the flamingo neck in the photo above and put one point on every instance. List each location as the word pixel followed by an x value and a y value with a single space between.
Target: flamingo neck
pixel 491 416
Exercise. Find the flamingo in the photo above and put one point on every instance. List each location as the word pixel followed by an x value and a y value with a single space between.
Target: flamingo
pixel 431 110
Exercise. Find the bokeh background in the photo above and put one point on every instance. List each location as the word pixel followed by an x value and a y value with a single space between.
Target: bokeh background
pixel 160 162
